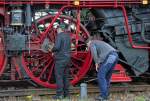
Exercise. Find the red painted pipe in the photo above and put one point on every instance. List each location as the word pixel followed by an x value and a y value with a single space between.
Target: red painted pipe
pixel 71 2
pixel 129 31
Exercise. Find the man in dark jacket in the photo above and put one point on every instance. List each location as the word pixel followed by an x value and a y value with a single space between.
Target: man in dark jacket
pixel 105 57
pixel 62 53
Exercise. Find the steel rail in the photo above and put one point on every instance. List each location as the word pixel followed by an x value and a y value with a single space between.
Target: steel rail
pixel 74 90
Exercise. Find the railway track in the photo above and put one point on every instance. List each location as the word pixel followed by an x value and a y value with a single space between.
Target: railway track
pixel 74 90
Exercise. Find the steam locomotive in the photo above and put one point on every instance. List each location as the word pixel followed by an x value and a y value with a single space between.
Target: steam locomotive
pixel 28 26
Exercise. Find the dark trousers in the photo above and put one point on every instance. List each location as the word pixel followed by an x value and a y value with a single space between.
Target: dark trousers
pixel 105 73
pixel 61 75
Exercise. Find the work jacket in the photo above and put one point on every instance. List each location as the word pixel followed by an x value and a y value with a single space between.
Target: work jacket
pixel 100 50
pixel 62 46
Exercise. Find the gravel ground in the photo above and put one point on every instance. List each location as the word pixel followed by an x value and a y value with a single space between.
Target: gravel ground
pixel 123 96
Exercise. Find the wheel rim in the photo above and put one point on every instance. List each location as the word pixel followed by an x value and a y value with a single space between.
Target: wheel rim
pixel 39 66
pixel 3 58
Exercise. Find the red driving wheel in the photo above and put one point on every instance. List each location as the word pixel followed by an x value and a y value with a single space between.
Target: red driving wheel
pixel 3 58
pixel 39 65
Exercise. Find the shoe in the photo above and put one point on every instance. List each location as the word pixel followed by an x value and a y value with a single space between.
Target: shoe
pixel 56 97
pixel 67 96
pixel 99 98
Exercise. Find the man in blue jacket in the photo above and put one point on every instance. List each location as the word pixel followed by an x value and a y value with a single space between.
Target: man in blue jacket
pixel 105 58
pixel 62 54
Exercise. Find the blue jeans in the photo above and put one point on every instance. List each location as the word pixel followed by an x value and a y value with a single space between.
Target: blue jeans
pixel 105 73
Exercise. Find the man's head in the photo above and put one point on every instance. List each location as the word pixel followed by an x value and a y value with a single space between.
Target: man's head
pixel 88 41
pixel 62 27
pixel 94 37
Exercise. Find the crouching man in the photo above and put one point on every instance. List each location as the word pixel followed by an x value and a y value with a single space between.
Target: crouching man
pixel 105 58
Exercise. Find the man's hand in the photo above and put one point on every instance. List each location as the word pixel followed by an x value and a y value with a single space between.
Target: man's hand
pixel 97 66
pixel 50 46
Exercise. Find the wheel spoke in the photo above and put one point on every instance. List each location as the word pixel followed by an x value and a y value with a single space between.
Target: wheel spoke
pixel 50 73
pixel 40 65
pixel 77 58
pixel 72 73
pixel 75 65
pixel 45 68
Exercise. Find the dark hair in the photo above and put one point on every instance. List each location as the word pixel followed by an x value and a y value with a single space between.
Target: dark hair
pixel 89 39
pixel 94 37
pixel 63 26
